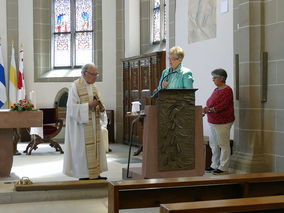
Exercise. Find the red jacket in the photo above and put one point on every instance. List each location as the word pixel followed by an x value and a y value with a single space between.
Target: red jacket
pixel 222 102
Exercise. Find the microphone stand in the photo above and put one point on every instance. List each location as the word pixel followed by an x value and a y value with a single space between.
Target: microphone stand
pixel 155 94
pixel 141 119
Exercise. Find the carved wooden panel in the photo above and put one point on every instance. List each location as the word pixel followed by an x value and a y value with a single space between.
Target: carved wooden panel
pixel 145 98
pixel 145 82
pixel 176 130
pixel 126 101
pixel 145 76
pixel 134 75
pixel 140 78
pixel 155 67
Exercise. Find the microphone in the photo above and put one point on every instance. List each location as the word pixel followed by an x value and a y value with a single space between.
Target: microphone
pixel 155 94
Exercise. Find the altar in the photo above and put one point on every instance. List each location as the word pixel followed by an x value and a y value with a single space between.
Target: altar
pixel 8 121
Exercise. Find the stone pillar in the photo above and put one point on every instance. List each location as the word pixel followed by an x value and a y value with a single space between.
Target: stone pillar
pixel 249 153
pixel 120 53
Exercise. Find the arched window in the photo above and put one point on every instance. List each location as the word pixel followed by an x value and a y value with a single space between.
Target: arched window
pixel 73 39
pixel 159 21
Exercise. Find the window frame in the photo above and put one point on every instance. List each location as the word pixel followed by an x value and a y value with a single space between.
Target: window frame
pixel 162 7
pixel 72 33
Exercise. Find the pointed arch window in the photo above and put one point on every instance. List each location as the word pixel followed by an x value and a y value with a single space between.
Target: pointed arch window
pixel 73 36
pixel 159 21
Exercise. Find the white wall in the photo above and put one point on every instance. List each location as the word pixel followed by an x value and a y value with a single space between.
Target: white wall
pixel 203 57
pixel 3 35
pixel 132 28
pixel 46 92
pixel 107 87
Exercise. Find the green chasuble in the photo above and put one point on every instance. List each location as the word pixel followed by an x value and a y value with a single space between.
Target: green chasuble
pixel 181 80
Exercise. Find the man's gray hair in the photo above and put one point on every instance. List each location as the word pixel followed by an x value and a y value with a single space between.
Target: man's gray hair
pixel 86 67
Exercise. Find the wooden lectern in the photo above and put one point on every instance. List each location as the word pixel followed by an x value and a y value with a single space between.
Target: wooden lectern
pixel 8 121
pixel 172 137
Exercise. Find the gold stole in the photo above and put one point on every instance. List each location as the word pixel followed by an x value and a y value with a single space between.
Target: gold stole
pixel 92 146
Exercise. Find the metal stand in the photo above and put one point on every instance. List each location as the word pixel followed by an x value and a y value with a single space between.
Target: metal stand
pixel 139 118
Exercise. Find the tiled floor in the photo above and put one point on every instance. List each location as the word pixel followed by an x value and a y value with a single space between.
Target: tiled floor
pixel 46 165
pixel 69 206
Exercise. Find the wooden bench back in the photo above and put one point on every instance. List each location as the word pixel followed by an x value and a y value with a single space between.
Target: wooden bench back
pixel 228 205
pixel 146 193
pixel 192 181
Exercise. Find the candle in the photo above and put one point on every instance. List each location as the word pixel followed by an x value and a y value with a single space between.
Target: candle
pixel 33 98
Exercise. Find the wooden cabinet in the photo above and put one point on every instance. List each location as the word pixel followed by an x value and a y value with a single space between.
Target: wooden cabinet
pixel 141 75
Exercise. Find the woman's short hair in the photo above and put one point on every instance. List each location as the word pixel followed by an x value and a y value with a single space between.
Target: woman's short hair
pixel 177 52
pixel 220 73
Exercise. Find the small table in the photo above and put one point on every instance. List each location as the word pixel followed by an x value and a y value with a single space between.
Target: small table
pixel 8 121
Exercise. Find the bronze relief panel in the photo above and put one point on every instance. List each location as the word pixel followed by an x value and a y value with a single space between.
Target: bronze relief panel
pixel 176 130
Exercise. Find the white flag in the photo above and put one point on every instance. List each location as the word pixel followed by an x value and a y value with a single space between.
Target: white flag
pixel 21 81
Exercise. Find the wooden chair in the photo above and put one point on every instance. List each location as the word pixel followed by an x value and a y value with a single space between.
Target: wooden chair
pixel 51 127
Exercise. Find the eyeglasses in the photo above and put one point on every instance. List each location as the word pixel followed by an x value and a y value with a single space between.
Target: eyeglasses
pixel 94 74
pixel 214 77
pixel 173 59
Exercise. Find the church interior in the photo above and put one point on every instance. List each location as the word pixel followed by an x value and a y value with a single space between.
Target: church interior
pixel 129 42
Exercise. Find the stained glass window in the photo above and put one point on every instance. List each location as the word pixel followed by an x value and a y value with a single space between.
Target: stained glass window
pixel 73 33
pixel 62 43
pixel 84 46
pixel 84 15
pixel 165 22
pixel 62 13
pixel 159 20
pixel 156 21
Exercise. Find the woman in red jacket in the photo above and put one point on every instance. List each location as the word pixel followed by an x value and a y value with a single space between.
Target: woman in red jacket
pixel 220 113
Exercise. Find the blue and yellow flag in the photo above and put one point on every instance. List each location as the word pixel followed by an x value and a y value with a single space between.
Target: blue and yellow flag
pixel 3 93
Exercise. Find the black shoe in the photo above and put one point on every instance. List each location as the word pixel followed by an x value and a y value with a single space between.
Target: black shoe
pixel 218 172
pixel 109 150
pixel 209 169
pixel 84 178
pixel 99 178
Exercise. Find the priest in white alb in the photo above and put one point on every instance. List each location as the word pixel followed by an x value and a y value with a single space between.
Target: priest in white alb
pixel 85 155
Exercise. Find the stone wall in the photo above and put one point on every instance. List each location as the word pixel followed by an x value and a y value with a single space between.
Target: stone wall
pixel 259 129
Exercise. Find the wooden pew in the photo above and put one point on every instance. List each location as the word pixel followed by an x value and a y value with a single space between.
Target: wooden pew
pixel 229 205
pixel 146 193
